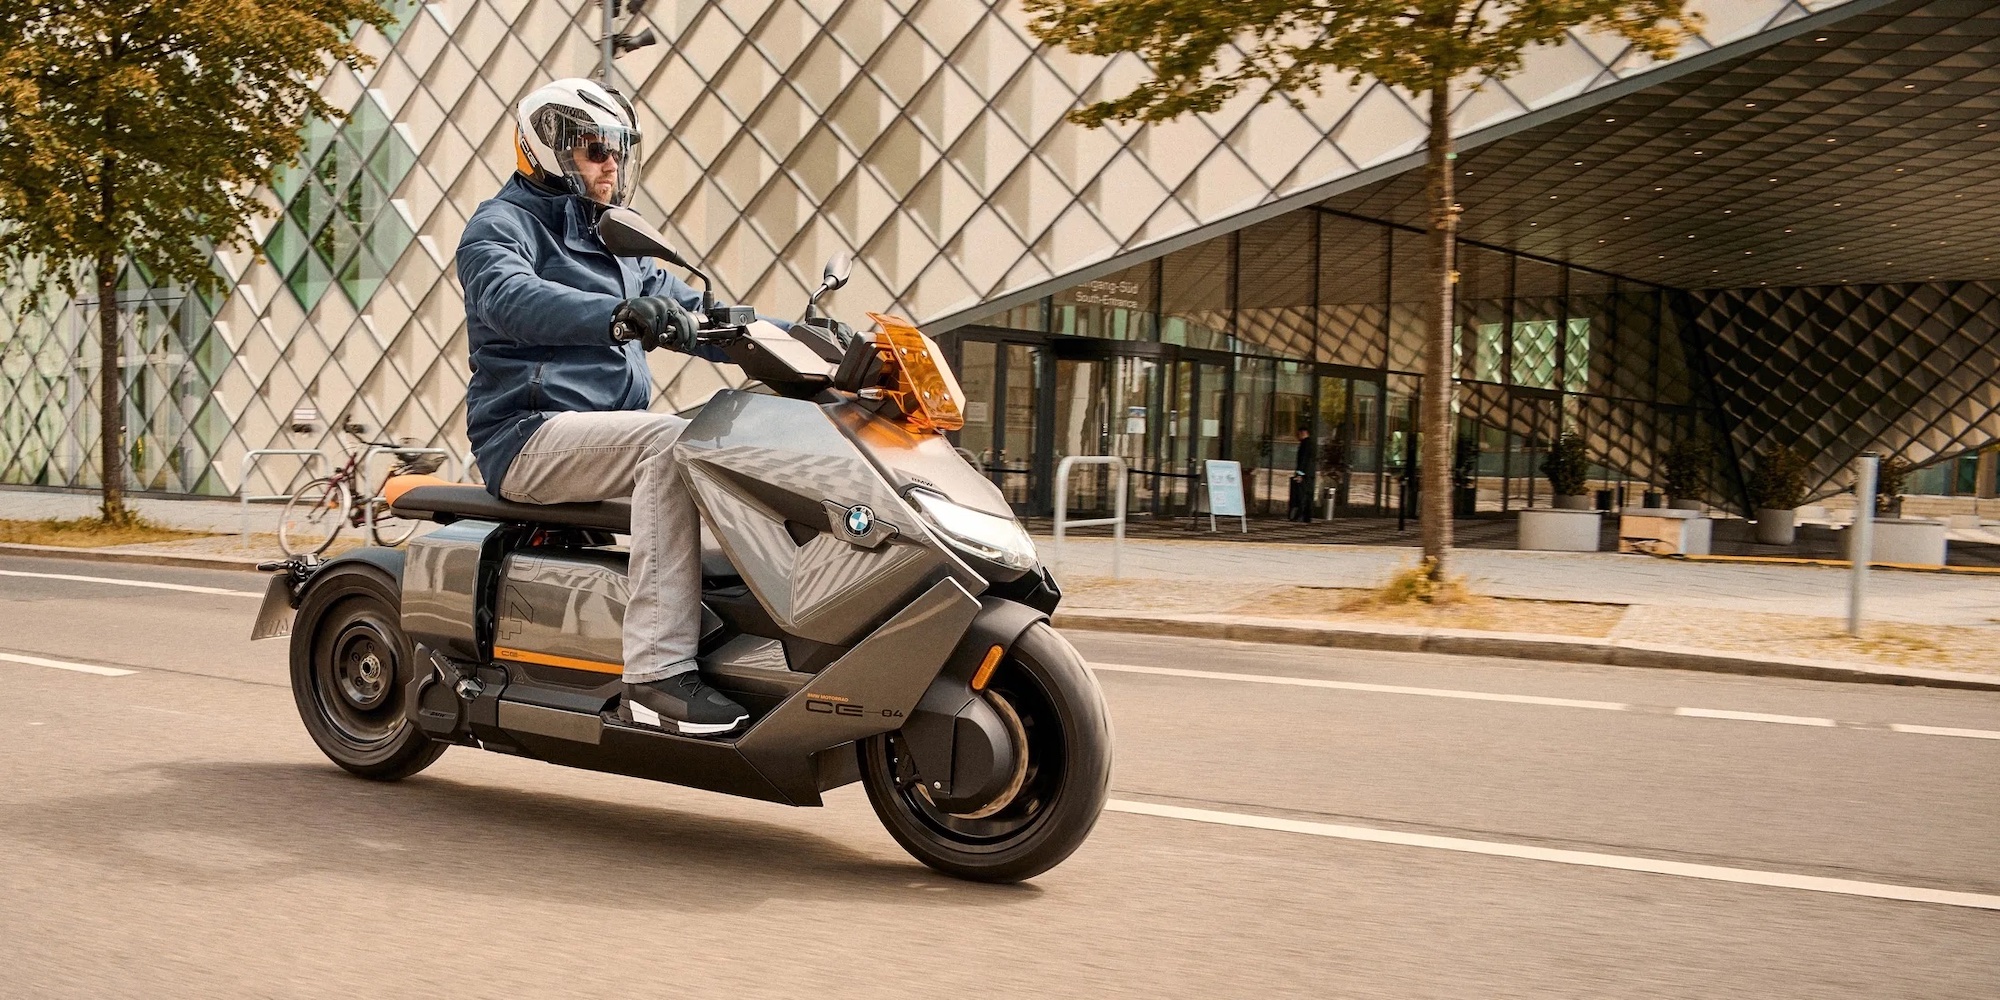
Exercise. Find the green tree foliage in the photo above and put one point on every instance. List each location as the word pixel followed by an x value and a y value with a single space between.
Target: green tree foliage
pixel 140 130
pixel 1287 47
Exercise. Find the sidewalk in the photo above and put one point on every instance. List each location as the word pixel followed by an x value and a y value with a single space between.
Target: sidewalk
pixel 1588 607
pixel 1593 607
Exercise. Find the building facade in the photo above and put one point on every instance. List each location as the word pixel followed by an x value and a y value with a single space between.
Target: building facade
pixel 1203 289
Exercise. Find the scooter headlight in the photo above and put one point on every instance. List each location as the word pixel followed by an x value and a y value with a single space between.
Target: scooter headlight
pixel 995 539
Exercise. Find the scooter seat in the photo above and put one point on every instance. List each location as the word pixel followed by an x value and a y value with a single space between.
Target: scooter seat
pixel 442 502
pixel 446 504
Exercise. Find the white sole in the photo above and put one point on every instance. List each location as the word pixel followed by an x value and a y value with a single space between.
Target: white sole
pixel 644 716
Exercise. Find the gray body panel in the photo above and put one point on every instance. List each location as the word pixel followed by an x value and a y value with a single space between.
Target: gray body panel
pixel 564 603
pixel 441 589
pixel 764 469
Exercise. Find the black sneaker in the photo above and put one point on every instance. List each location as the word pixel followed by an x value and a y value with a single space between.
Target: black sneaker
pixel 681 704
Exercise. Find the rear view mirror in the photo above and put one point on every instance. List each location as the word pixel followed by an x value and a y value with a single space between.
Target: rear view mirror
pixel 837 270
pixel 627 234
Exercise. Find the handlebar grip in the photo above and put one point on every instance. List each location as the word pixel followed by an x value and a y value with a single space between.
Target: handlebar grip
pixel 624 331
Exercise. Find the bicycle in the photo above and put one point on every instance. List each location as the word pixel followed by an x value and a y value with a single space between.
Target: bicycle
pixel 315 515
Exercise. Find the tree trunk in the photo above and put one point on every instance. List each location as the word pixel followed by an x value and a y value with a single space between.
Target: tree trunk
pixel 1434 421
pixel 111 418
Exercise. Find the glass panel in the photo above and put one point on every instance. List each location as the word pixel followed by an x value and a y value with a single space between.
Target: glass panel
pixel 977 377
pixel 1081 430
pixel 1194 296
pixel 1135 385
pixel 1115 307
pixel 1353 281
pixel 1017 434
pixel 1274 309
pixel 1412 301
pixel 1399 444
pixel 1250 437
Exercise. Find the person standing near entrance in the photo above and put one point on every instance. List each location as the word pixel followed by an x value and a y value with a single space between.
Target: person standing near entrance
pixel 1300 507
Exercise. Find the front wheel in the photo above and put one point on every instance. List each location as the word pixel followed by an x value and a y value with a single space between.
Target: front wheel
pixel 351 671
pixel 1053 706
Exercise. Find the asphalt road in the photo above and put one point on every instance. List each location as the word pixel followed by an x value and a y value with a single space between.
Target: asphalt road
pixel 172 832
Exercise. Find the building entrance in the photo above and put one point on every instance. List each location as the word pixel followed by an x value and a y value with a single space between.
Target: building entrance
pixel 1034 399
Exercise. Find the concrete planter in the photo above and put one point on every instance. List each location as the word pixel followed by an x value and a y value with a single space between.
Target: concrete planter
pixel 1776 527
pixel 1559 530
pixel 1664 532
pixel 1581 501
pixel 1913 541
pixel 1679 504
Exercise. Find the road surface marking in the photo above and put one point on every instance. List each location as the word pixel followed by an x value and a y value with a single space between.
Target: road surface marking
pixel 1587 859
pixel 1523 699
pixel 1217 675
pixel 1977 734
pixel 1783 720
pixel 148 584
pixel 81 668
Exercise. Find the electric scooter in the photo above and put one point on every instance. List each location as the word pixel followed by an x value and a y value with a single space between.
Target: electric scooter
pixel 868 595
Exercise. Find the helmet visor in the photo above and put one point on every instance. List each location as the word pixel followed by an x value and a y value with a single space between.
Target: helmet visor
pixel 598 159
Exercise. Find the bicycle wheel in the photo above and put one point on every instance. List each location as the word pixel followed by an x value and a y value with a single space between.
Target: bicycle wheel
pixel 313 517
pixel 391 529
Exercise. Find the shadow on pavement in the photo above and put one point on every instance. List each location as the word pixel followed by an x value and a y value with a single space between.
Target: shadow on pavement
pixel 231 823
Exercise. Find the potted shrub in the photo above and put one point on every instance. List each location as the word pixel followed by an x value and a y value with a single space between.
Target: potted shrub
pixel 1892 477
pixel 1687 465
pixel 1465 478
pixel 1567 466
pixel 1777 488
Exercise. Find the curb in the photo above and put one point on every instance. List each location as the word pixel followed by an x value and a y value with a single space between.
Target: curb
pixel 240 564
pixel 1515 645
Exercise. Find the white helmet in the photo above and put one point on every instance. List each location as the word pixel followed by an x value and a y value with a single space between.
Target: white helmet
pixel 573 118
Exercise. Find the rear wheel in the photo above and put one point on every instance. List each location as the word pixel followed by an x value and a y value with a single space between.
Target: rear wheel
pixel 351 670
pixel 1051 703
pixel 313 517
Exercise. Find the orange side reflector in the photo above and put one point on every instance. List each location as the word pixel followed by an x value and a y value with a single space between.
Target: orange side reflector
pixel 985 672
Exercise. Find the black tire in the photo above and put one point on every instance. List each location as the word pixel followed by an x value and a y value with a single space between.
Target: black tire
pixel 354 708
pixel 1068 776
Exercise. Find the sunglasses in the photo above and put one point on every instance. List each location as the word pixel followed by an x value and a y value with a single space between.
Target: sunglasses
pixel 598 152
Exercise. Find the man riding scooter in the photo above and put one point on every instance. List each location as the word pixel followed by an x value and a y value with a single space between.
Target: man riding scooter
pixel 556 408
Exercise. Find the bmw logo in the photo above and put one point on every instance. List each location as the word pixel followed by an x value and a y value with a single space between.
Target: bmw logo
pixel 859 519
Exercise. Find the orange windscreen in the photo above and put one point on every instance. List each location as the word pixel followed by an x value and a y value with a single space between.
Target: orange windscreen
pixel 927 393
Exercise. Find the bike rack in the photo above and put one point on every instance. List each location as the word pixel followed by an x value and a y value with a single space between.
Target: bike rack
pixel 368 503
pixel 250 460
pixel 1117 520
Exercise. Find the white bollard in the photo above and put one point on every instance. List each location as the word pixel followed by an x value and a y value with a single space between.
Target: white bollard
pixel 1861 537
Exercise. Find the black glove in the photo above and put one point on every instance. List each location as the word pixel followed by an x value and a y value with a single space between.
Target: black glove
pixel 841 333
pixel 655 321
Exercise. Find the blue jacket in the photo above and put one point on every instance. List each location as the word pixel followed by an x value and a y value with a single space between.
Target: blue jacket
pixel 539 293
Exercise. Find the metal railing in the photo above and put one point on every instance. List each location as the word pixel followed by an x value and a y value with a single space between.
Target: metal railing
pixel 250 460
pixel 1117 520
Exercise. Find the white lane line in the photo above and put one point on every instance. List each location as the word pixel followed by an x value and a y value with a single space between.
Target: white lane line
pixel 81 668
pixel 148 584
pixel 1976 734
pixel 1523 699
pixel 1721 713
pixel 1587 859
pixel 1217 675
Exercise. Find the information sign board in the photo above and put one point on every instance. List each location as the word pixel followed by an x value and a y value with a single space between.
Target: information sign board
pixel 1225 492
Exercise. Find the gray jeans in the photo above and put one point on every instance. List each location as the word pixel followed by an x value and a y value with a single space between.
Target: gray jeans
pixel 576 457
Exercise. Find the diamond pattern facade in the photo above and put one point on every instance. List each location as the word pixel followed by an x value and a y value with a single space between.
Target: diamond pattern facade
pixel 1905 370
pixel 924 135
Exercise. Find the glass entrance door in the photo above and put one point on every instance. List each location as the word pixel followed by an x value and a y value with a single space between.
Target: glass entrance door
pixel 1002 383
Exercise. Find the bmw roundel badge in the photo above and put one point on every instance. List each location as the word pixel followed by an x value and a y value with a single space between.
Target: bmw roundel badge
pixel 859 519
